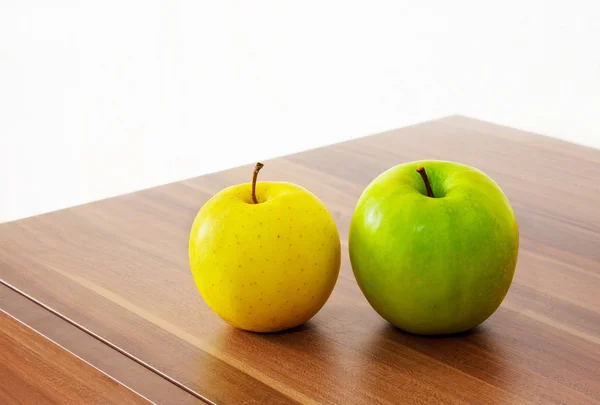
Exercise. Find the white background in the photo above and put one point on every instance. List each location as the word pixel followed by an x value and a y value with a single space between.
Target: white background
pixel 103 98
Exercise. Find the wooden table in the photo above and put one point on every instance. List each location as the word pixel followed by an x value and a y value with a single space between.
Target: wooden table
pixel 118 270
pixel 34 370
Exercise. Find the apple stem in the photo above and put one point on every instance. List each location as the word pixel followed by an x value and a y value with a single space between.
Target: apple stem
pixel 421 171
pixel 257 168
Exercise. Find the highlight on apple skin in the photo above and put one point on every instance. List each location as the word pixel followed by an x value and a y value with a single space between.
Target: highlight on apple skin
pixel 434 246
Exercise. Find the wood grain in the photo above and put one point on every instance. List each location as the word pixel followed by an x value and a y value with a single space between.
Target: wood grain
pixel 36 371
pixel 119 267
pixel 96 353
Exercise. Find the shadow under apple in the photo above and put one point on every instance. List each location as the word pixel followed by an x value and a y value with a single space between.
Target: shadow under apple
pixel 443 361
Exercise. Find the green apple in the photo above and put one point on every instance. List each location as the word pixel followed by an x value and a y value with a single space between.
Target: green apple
pixel 434 246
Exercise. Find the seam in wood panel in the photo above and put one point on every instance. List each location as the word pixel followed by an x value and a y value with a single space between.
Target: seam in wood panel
pixel 107 343
pixel 74 355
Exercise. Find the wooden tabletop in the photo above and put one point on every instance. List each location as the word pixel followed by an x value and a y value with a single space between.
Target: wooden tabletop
pixel 118 269
pixel 34 370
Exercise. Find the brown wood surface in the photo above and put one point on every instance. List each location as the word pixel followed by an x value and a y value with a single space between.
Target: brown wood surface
pixel 96 353
pixel 120 268
pixel 36 371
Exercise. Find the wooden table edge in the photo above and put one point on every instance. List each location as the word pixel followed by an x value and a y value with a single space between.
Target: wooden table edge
pixel 73 355
pixel 27 305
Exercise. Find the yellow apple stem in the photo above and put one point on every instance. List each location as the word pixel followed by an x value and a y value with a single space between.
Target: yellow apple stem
pixel 257 168
pixel 421 171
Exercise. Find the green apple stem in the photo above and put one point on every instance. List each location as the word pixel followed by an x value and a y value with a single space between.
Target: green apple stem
pixel 421 171
pixel 257 168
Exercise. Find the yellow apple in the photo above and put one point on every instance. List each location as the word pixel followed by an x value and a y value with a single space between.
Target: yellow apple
pixel 265 256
